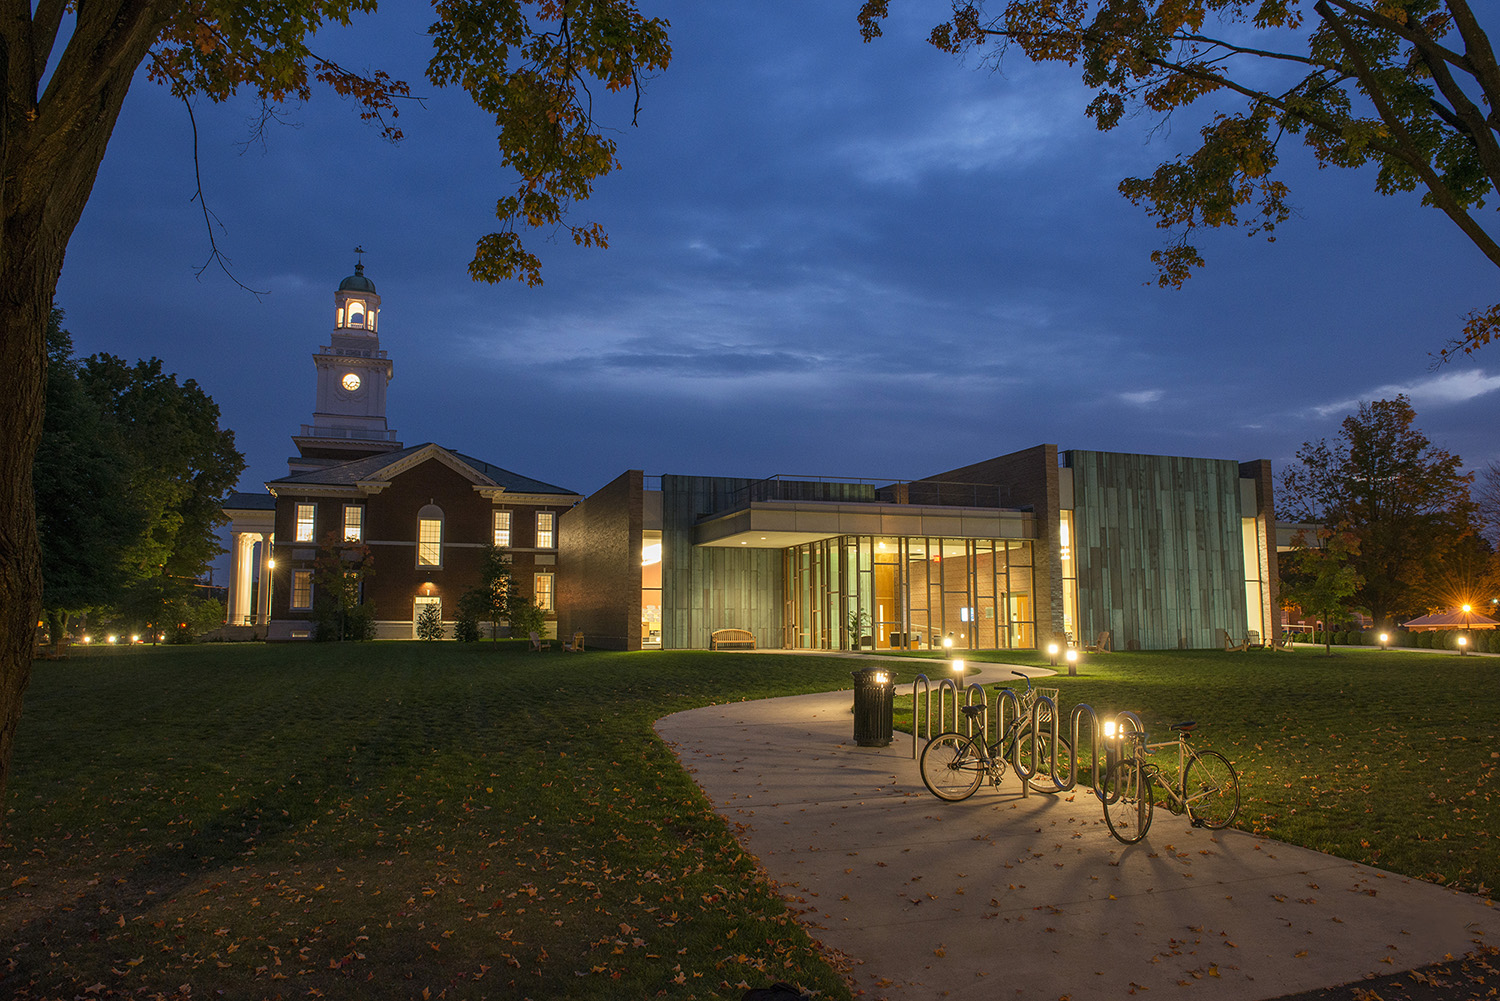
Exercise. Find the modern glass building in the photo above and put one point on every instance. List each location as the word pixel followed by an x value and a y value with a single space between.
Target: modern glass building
pixel 1010 553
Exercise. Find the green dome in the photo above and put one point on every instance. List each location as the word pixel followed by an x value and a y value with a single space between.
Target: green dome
pixel 357 282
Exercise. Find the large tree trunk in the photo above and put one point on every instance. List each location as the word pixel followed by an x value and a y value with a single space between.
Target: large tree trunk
pixel 50 149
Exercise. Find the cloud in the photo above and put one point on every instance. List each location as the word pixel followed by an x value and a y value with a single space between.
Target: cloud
pixel 1447 389
pixel 1142 397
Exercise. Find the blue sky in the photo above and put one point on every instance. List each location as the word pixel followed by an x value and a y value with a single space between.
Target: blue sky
pixel 826 258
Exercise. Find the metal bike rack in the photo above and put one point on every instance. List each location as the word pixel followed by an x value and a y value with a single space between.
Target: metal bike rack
pixel 947 693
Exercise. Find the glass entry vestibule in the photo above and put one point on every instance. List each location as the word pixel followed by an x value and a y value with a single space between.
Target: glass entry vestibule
pixel 861 592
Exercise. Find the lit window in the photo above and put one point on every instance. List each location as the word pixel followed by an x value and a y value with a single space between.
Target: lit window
pixel 302 588
pixel 356 313
pixel 544 591
pixel 545 537
pixel 502 528
pixel 354 523
pixel 430 536
pixel 305 522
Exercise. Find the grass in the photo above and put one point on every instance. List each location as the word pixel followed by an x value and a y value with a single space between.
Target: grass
pixel 410 821
pixel 383 820
pixel 1387 758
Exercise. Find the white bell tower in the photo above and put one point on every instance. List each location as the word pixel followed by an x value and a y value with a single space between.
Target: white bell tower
pixel 353 372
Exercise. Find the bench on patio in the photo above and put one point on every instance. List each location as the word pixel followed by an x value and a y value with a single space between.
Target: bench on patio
pixel 737 638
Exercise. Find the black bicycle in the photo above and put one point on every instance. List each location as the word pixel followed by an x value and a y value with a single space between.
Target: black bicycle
pixel 954 764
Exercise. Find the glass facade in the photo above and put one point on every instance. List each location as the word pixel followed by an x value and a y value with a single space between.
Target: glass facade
pixel 861 592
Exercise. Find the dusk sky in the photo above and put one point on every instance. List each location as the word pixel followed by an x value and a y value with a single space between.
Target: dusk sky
pixel 826 258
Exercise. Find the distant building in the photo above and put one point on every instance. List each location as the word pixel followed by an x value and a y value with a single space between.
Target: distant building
pixel 426 512
pixel 1011 553
pixel 1014 552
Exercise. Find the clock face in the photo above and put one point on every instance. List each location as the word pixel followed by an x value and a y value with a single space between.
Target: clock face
pixel 351 382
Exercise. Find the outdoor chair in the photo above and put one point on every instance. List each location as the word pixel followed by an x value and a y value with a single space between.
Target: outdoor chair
pixel 537 643
pixel 577 645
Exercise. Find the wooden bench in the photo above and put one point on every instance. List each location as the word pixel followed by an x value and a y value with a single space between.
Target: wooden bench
pixel 738 638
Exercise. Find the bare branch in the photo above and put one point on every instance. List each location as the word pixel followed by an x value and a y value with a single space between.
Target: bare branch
pixel 215 256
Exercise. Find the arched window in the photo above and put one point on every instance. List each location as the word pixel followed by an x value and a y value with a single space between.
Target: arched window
pixel 430 536
pixel 356 313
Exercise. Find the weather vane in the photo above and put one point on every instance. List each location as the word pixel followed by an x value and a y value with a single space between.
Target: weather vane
pixel 361 252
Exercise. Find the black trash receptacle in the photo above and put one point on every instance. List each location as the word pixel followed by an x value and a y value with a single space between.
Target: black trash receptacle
pixel 873 694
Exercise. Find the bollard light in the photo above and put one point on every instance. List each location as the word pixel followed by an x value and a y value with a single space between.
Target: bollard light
pixel 1052 653
pixel 1073 662
pixel 112 638
pixel 958 669
pixel 1463 645
pixel 1384 639
pixel 948 642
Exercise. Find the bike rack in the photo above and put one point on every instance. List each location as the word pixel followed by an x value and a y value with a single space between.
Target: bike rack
pixel 922 711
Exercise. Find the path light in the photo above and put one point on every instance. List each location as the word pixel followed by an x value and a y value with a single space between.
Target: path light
pixel 948 642
pixel 1463 645
pixel 1052 653
pixel 1073 663
pixel 1384 639
pixel 958 669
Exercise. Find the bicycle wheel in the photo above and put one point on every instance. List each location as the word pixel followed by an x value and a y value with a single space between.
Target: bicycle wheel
pixel 1044 774
pixel 1213 790
pixel 952 766
pixel 1127 800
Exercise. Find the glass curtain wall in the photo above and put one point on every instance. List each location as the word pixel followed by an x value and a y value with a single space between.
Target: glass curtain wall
pixel 895 592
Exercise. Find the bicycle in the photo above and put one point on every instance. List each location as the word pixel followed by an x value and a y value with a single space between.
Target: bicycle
pixel 953 764
pixel 1207 788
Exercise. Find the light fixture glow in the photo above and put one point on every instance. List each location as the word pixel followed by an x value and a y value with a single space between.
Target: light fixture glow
pixel 1109 729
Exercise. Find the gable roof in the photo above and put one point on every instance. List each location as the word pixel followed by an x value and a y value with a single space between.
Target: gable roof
pixel 378 468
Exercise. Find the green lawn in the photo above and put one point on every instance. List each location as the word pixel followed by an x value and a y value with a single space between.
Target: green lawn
pixel 1382 757
pixel 408 821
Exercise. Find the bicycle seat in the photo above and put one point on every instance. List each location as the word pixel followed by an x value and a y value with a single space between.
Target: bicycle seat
pixel 1186 726
pixel 975 711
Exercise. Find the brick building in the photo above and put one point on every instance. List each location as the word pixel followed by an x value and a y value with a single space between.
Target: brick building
pixel 426 512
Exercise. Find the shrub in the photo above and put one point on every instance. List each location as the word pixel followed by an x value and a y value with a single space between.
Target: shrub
pixel 430 623
pixel 526 618
pixel 466 630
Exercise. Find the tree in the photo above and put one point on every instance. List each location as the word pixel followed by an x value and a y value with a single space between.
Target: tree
pixel 66 68
pixel 1408 86
pixel 489 600
pixel 1488 499
pixel 86 516
pixel 526 617
pixel 339 575
pixel 1322 579
pixel 181 465
pixel 1404 500
pixel 429 623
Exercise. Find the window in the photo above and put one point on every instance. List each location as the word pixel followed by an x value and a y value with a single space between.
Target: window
pixel 354 523
pixel 502 528
pixel 546 538
pixel 305 522
pixel 302 588
pixel 543 591
pixel 430 536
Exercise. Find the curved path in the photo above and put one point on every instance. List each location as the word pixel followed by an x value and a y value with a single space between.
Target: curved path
pixel 1009 897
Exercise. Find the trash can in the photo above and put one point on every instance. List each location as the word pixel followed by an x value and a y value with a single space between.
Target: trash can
pixel 873 694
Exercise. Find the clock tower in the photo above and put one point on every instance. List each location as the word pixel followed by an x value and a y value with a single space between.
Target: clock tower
pixel 349 417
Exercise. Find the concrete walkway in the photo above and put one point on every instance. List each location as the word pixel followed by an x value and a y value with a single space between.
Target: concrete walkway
pixel 1003 897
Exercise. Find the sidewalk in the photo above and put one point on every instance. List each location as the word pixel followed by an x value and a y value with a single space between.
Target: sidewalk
pixel 1009 897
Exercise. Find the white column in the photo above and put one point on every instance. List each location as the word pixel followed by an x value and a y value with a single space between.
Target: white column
pixel 240 568
pixel 263 602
